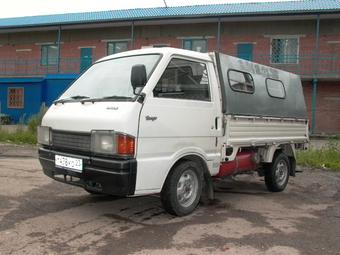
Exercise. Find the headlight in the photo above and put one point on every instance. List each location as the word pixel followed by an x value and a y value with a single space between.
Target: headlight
pixel 103 142
pixel 44 135
pixel 112 143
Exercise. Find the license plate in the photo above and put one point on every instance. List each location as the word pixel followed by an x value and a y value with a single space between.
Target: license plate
pixel 74 164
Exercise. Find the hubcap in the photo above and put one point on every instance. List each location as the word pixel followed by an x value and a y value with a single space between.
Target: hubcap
pixel 281 172
pixel 187 188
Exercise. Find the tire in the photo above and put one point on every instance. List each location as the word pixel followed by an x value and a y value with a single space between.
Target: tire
pixel 277 173
pixel 183 188
pixel 92 192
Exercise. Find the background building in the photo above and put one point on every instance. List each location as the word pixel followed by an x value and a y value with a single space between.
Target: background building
pixel 41 55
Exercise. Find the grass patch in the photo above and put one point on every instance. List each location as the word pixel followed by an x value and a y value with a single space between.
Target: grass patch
pixel 19 137
pixel 326 157
pixel 25 136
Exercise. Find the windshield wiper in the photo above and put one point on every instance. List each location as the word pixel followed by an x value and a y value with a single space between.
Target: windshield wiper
pixel 117 97
pixel 63 100
pixel 124 98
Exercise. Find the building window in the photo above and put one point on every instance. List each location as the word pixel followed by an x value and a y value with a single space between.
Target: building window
pixel 284 50
pixel 116 47
pixel 15 98
pixel 199 45
pixel 160 45
pixel 241 81
pixel 184 79
pixel 49 55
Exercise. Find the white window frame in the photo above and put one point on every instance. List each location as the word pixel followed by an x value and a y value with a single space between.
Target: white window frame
pixel 48 64
pixel 116 41
pixel 286 37
pixel 205 38
pixel 160 45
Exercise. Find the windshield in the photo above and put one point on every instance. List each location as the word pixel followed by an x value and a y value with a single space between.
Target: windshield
pixel 109 79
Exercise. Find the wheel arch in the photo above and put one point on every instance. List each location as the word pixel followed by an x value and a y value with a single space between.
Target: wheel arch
pixel 268 154
pixel 207 192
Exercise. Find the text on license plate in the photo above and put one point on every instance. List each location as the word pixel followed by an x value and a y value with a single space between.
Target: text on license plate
pixel 74 164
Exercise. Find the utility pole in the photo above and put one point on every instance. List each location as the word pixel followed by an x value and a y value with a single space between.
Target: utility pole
pixel 316 63
pixel 58 43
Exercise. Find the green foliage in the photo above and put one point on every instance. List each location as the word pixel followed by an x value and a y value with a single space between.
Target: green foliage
pixel 336 137
pixel 36 119
pixel 326 157
pixel 22 135
pixel 19 137
pixel 5 119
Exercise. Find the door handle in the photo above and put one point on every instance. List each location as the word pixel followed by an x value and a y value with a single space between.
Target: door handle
pixel 216 122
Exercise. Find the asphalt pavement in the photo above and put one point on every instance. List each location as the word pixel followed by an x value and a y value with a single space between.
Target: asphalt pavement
pixel 41 216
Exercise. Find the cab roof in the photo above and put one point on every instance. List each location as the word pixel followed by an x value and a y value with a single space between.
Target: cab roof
pixel 166 51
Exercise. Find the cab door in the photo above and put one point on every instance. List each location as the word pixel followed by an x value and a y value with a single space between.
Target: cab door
pixel 179 118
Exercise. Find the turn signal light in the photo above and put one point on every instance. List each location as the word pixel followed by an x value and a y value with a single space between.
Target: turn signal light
pixel 125 145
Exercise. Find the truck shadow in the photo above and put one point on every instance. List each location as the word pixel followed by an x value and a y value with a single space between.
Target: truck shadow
pixel 247 187
pixel 57 197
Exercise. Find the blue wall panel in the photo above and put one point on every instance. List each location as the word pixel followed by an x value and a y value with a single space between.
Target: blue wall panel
pixel 36 92
pixel 32 98
pixel 55 85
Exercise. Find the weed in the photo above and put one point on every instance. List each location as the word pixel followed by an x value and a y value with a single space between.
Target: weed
pixel 22 135
pixel 327 157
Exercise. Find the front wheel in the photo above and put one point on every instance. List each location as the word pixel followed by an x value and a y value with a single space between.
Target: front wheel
pixel 92 192
pixel 182 189
pixel 277 173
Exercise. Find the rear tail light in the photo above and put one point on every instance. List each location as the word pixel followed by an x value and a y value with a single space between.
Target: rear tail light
pixel 125 145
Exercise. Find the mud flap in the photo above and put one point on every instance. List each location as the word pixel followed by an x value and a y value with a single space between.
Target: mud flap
pixel 208 189
pixel 292 166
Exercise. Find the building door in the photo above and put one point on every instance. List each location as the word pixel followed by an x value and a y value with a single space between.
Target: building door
pixel 245 51
pixel 85 58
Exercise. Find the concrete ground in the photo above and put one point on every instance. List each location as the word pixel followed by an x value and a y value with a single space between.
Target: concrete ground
pixel 41 216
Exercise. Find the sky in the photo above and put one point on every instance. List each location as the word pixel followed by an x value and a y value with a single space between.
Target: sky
pixel 18 8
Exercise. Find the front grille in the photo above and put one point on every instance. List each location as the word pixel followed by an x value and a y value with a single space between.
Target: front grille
pixel 71 141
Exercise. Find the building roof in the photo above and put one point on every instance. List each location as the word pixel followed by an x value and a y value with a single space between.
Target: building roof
pixel 212 10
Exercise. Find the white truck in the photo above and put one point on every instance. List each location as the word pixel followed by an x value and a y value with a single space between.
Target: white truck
pixel 170 121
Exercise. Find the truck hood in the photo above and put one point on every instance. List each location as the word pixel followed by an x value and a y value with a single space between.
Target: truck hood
pixel 75 116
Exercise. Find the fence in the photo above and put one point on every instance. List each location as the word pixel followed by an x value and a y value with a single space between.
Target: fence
pixel 34 67
pixel 307 66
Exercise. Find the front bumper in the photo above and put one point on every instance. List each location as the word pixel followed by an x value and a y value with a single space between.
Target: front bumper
pixel 102 175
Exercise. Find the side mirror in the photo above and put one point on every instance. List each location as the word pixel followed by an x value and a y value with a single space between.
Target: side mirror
pixel 138 76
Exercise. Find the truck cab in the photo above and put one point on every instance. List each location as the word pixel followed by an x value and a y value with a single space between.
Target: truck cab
pixel 169 121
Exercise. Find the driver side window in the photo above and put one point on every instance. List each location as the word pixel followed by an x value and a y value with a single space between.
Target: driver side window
pixel 184 79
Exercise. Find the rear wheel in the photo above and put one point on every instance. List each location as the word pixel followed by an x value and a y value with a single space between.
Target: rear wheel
pixel 277 173
pixel 182 189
